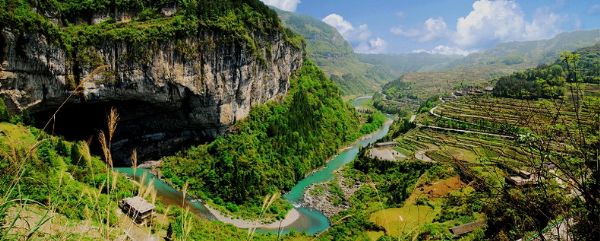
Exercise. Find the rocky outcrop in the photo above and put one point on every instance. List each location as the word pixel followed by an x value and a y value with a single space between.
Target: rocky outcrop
pixel 167 92
pixel 321 197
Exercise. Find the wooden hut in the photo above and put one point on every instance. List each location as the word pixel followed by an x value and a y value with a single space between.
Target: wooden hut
pixel 137 208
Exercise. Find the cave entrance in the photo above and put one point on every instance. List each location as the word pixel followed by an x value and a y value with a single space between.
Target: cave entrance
pixel 154 131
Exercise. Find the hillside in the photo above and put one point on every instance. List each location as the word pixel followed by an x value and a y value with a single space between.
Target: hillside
pixel 335 55
pixel 479 69
pixel 486 166
pixel 550 81
pixel 530 53
pixel 143 80
pixel 400 64
pixel 180 73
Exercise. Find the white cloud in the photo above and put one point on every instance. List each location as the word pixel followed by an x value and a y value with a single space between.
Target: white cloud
pixel 411 33
pixel 445 50
pixel 373 46
pixel 287 5
pixel 493 21
pixel 359 37
pixel 346 28
pixel 432 29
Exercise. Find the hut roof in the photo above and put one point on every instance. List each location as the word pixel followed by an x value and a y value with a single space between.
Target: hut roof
pixel 139 204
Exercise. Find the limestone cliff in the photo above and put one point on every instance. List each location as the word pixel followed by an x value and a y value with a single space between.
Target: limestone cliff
pixel 167 92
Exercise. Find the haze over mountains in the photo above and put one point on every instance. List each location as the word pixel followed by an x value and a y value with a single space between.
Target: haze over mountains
pixel 366 73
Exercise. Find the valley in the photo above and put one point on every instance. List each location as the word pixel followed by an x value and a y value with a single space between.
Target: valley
pixel 257 120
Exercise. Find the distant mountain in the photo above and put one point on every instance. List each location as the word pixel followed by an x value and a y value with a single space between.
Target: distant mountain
pixel 480 68
pixel 399 64
pixel 530 53
pixel 335 55
pixel 355 73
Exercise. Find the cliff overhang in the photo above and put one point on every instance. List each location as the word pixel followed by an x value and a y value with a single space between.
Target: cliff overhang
pixel 169 92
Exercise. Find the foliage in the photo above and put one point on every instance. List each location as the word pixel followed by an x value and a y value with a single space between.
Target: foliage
pixel 548 81
pixel 396 180
pixel 398 89
pixel 374 122
pixel 521 210
pixel 278 144
pixel 428 104
pixel 478 68
pixel 3 111
pixel 48 176
pixel 239 21
pixel 335 55
pixel 398 128
pixel 389 184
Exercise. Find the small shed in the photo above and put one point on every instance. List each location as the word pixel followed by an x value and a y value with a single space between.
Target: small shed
pixel 137 208
pixel 466 228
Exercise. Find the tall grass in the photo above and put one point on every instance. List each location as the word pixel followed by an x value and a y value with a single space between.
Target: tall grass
pixel 19 158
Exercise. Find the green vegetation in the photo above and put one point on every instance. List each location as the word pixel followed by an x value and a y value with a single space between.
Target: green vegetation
pixel 479 68
pixel 398 128
pixel 247 21
pixel 38 169
pixel 387 184
pixel 549 81
pixel 400 64
pixel 335 56
pixel 278 144
pixel 55 189
pixel 374 122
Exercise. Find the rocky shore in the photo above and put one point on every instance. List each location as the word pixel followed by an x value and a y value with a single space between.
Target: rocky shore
pixel 322 198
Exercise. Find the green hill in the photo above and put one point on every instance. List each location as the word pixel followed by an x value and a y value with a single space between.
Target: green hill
pixel 335 55
pixel 530 53
pixel 549 80
pixel 480 68
pixel 399 64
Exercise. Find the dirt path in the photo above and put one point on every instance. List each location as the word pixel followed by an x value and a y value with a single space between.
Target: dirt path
pixel 291 217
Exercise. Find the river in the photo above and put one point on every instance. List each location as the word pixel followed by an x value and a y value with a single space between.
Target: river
pixel 310 221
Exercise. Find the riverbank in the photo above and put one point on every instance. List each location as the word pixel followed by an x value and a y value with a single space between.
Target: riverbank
pixel 351 145
pixel 321 197
pixel 304 218
pixel 292 216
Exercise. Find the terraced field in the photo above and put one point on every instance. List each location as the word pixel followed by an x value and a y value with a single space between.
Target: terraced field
pixel 481 158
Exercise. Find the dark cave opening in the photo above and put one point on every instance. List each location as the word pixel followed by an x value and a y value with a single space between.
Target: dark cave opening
pixel 153 130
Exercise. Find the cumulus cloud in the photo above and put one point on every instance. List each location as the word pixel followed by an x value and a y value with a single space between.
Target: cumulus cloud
pixel 445 50
pixel 359 37
pixel 502 21
pixel 432 29
pixel 287 5
pixel 372 46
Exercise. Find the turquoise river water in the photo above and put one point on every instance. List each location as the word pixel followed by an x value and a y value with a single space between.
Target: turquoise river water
pixel 311 221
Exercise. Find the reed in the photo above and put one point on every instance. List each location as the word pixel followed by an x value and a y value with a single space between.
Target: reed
pixel 268 200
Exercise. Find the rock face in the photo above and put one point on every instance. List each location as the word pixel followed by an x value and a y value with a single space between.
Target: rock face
pixel 167 93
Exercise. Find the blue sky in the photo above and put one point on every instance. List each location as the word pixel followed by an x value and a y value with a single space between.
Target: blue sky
pixel 445 26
